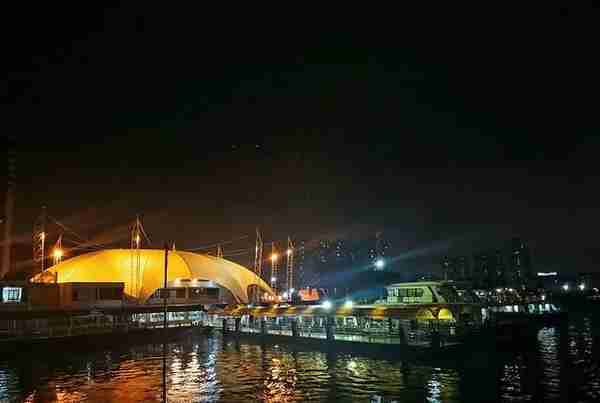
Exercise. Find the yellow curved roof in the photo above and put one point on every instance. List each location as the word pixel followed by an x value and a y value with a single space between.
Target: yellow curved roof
pixel 119 265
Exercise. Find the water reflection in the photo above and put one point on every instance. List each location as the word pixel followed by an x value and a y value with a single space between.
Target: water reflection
pixel 561 365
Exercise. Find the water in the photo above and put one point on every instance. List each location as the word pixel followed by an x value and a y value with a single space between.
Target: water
pixel 205 368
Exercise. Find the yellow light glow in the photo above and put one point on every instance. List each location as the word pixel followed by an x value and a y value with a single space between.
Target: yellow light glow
pixel 58 253
pixel 274 257
pixel 289 252
pixel 137 239
pixel 113 265
pixel 43 236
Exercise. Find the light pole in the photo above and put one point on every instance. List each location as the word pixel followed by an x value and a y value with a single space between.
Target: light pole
pixel 274 258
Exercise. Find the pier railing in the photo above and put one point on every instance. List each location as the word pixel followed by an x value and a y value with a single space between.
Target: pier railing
pixel 66 330
pixel 381 332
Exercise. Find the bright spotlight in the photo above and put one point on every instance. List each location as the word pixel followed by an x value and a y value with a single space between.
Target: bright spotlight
pixel 289 252
pixel 379 263
pixel 565 287
pixel 285 295
pixel 58 253
pixel 326 305
pixel 273 279
pixel 582 286
pixel 274 257
pixel 348 304
pixel 292 290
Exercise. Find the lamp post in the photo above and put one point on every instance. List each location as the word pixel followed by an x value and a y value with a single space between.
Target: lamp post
pixel 274 258
pixel 165 324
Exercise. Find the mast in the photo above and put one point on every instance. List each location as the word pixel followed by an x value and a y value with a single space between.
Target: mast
pixel 39 240
pixel 136 240
pixel 258 253
pixel 58 253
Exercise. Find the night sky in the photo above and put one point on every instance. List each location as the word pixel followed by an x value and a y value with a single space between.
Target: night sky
pixel 446 130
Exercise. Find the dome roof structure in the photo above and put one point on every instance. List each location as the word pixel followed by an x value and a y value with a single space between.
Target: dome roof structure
pixel 120 265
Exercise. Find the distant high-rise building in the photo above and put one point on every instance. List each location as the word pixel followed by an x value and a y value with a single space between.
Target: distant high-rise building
pixel 481 270
pixel 300 264
pixel 520 259
pixel 378 252
pixel 492 268
pixel 324 251
pixel 461 268
pixel 446 268
pixel 455 269
pixel 499 270
pixel 340 250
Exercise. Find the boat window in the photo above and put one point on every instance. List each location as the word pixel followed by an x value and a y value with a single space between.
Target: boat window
pixel 409 292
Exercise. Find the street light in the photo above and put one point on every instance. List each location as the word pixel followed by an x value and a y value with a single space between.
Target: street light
pixel 327 305
pixel 582 286
pixel 289 251
pixel 379 263
pixel 274 257
pixel 565 287
pixel 58 253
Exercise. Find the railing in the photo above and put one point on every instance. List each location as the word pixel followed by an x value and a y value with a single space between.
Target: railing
pixel 87 329
pixel 417 336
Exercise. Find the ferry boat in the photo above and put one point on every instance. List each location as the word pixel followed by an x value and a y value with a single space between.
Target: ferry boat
pixel 414 317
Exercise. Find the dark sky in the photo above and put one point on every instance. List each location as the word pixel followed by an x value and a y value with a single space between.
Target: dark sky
pixel 447 127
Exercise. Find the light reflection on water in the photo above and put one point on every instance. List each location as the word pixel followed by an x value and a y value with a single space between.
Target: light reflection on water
pixel 201 368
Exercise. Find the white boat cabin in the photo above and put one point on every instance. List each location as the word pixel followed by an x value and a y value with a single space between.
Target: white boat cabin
pixel 422 292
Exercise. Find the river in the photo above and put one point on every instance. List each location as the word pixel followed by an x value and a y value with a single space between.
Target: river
pixel 560 367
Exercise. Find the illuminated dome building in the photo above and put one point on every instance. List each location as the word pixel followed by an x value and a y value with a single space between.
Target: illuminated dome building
pixel 142 272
